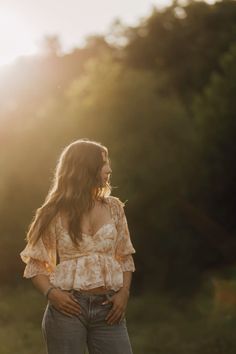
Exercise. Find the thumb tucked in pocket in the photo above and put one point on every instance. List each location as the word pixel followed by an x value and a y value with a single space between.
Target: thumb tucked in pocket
pixel 107 301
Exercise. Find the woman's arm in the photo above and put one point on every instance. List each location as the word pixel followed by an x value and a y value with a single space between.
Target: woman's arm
pixel 120 300
pixel 123 254
pixel 127 278
pixel 61 300
pixel 41 282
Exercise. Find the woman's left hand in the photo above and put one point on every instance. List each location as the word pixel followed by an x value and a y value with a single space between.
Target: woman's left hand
pixel 119 300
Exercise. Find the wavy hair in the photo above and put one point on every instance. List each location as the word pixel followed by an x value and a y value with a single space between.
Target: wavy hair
pixel 76 183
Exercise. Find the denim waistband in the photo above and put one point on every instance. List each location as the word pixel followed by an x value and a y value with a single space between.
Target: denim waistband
pixel 91 294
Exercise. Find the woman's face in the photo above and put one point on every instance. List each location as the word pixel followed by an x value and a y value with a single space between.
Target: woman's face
pixel 106 169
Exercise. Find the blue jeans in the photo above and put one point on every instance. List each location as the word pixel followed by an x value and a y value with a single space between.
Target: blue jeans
pixel 71 335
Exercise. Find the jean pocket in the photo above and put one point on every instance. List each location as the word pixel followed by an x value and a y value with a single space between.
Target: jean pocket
pixel 58 315
pixel 107 299
pixel 107 305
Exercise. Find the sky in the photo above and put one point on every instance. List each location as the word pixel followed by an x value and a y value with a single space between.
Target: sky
pixel 23 23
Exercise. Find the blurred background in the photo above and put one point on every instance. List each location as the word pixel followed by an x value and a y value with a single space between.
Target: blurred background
pixel 155 81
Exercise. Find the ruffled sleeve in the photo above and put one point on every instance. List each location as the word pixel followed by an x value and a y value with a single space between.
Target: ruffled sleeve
pixel 41 257
pixel 124 247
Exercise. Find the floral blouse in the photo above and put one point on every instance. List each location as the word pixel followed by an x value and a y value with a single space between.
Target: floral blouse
pixel 100 261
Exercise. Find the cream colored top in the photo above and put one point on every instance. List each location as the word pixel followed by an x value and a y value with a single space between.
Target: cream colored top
pixel 100 261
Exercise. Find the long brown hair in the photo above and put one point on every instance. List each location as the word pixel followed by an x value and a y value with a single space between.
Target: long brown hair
pixel 75 185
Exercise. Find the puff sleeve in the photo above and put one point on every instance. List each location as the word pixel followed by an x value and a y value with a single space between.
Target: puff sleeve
pixel 41 257
pixel 124 247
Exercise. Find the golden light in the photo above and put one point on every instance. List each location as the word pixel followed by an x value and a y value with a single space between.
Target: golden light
pixel 15 36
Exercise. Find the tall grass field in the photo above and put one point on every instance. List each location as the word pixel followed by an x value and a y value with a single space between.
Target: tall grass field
pixel 157 323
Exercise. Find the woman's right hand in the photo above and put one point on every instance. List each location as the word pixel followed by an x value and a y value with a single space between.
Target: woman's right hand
pixel 64 302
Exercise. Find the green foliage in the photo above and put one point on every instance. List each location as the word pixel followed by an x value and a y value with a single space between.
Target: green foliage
pixel 215 121
pixel 184 41
pixel 163 103
pixel 156 322
pixel 150 139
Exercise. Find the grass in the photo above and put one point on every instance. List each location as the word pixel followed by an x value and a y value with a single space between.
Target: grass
pixel 157 323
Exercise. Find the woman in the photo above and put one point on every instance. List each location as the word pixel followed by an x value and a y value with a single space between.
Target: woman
pixel 79 255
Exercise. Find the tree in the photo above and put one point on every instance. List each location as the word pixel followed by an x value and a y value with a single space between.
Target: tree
pixel 186 42
pixel 215 120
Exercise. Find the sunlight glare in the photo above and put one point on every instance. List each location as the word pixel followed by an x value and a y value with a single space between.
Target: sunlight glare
pixel 16 38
